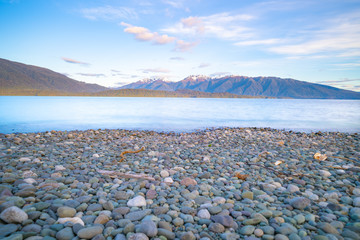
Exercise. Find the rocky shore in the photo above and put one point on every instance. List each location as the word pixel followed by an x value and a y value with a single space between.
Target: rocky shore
pixel 236 183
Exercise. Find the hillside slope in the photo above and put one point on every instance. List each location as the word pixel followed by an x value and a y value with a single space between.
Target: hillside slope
pixel 19 76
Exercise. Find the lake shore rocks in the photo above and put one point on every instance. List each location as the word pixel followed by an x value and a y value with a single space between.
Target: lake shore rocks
pixel 228 183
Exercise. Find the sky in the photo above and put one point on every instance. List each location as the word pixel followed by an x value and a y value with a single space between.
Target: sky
pixel 113 42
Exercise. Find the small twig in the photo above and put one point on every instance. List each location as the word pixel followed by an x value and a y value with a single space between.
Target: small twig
pixel 347 159
pixel 128 151
pixel 335 167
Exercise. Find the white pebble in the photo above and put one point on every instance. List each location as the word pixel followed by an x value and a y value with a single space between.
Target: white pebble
pixel 164 174
pixel 138 201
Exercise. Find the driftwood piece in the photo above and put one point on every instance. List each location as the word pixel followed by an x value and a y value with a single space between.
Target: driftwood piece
pixel 114 174
pixel 347 159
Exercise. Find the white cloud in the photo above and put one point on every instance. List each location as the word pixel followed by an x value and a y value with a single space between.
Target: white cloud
pixel 222 25
pixel 156 70
pixel 109 13
pixel 144 34
pixel 204 65
pixel 177 58
pixel 339 36
pixel 178 4
pixel 258 42
pixel 183 46
pixel 164 39
pixel 73 61
pixel 175 4
pixel 92 74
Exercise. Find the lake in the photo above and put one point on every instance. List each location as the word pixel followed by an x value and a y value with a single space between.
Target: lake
pixel 38 114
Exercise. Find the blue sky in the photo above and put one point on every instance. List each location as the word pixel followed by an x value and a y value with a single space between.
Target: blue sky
pixel 117 42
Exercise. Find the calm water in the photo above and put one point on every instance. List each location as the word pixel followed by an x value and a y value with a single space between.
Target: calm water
pixel 35 114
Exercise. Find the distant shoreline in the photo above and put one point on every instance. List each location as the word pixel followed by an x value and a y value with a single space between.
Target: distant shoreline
pixel 193 131
pixel 125 93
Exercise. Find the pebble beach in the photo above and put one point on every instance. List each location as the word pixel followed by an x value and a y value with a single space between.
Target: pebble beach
pixel 228 183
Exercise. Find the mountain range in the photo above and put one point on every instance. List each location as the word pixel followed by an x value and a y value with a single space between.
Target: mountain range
pixel 21 79
pixel 251 86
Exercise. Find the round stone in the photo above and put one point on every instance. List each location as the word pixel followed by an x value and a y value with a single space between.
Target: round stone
pixel 300 202
pixel 13 215
pixel 188 181
pixel 258 232
pixel 164 174
pixel 168 180
pixel 66 212
pixel 204 213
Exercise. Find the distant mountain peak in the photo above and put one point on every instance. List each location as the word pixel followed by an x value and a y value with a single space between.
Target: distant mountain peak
pixel 151 80
pixel 197 78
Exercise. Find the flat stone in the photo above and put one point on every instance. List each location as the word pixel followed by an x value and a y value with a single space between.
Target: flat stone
pixel 205 175
pixel 121 195
pixel 41 206
pixel 325 173
pixel 130 227
pixel 65 234
pixel 166 233
pixel 215 209
pixel 188 236
pixel 95 207
pixel 138 236
pixel 286 229
pixel 247 230
pixel 356 202
pixel 89 232
pixel 248 195
pixel 148 228
pixel 326 227
pixel 101 219
pixel 300 202
pixel 252 221
pixel 292 188
pixel 137 215
pixel 7 229
pixel 16 236
pixel 73 220
pixel 226 221
pixel 32 228
pixel 216 227
pixel 350 234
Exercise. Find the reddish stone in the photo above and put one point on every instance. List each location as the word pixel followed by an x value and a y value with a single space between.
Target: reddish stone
pixel 188 181
pixel 151 194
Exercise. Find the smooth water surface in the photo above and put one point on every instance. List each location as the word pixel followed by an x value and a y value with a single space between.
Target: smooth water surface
pixel 36 114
